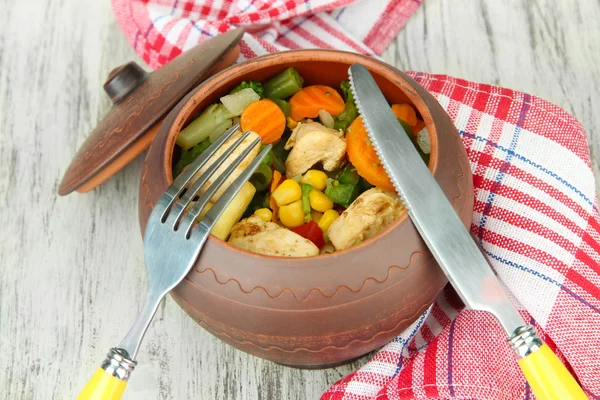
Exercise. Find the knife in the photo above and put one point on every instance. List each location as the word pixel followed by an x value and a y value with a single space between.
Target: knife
pixel 450 242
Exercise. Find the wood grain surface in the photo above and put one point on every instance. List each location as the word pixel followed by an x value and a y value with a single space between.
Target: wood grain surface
pixel 72 275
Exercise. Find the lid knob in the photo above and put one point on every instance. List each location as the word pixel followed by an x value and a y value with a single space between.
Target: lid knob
pixel 124 80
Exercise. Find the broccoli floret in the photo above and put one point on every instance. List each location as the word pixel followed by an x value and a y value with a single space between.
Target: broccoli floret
pixel 254 85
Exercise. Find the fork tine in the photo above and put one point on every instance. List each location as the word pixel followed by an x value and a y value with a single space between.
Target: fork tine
pixel 169 197
pixel 189 219
pixel 179 207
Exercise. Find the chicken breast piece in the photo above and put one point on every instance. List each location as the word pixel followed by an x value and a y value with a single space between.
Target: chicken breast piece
pixel 370 213
pixel 240 168
pixel 303 127
pixel 254 234
pixel 311 143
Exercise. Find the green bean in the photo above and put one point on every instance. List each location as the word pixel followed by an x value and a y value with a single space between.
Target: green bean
pixel 306 189
pixel 268 160
pixel 284 105
pixel 283 85
pixel 200 128
pixel 261 177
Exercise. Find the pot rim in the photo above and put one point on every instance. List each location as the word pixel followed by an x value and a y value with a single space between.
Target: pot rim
pixel 284 57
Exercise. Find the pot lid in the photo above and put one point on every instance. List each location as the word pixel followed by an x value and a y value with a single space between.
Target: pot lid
pixel 140 101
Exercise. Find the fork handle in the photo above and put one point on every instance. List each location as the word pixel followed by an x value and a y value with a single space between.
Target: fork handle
pixel 109 381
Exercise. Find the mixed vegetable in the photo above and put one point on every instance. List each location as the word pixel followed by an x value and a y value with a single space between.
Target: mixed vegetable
pixel 322 187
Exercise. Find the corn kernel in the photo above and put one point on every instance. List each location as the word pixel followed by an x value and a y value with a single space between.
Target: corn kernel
pixel 291 215
pixel 406 113
pixel 315 178
pixel 319 201
pixel 316 215
pixel 286 193
pixel 264 213
pixel 291 123
pixel 327 219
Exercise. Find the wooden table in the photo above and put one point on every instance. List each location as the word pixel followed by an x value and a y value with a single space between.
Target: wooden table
pixel 72 275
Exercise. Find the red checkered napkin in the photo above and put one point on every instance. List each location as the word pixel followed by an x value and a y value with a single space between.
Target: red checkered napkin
pixel 159 30
pixel 536 211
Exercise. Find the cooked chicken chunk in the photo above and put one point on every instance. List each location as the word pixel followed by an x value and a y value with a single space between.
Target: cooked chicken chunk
pixel 370 213
pixel 240 168
pixel 311 143
pixel 254 234
pixel 304 127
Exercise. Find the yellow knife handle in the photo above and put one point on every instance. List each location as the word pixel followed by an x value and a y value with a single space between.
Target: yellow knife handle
pixel 109 381
pixel 548 377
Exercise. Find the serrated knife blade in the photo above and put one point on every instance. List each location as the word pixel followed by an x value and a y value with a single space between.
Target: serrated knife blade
pixel 429 209
pixel 450 242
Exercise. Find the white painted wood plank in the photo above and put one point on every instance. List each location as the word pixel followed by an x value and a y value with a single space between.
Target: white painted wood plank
pixel 72 272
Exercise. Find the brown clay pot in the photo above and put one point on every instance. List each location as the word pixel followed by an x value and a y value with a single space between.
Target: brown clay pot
pixel 318 311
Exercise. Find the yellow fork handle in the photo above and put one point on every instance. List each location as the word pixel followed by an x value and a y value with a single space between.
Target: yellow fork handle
pixel 103 386
pixel 548 377
pixel 109 381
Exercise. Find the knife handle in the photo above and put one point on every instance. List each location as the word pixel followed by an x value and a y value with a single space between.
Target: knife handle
pixel 110 380
pixel 548 377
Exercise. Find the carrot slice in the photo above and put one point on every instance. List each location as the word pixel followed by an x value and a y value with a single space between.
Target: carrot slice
pixel 265 118
pixel 363 156
pixel 406 113
pixel 309 101
pixel 275 180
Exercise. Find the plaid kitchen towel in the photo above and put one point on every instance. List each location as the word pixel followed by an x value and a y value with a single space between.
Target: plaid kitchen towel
pixel 535 216
pixel 159 30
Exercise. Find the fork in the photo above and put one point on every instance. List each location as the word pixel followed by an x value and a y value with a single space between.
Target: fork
pixel 172 243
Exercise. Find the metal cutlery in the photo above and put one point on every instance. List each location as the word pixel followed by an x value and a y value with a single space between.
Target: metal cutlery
pixel 451 244
pixel 172 242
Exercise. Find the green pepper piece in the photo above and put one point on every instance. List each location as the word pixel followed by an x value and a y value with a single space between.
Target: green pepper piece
pixel 280 154
pixel 364 185
pixel 260 200
pixel 283 85
pixel 284 105
pixel 261 177
pixel 342 193
pixel 306 189
pixel 349 175
pixel 187 156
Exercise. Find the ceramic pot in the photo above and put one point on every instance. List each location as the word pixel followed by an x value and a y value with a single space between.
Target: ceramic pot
pixel 324 310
